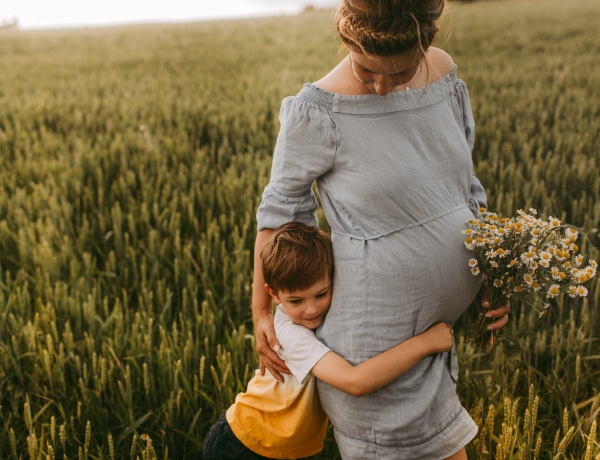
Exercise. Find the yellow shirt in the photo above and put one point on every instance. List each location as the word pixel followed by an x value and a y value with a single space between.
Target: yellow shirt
pixel 279 420
pixel 283 420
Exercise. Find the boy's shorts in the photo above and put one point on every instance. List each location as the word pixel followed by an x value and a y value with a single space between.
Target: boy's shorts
pixel 221 444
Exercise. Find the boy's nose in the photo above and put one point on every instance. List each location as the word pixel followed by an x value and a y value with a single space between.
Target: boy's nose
pixel 311 308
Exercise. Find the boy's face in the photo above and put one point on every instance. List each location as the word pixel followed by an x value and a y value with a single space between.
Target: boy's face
pixel 306 307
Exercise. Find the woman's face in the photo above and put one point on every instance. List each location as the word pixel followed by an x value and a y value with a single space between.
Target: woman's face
pixel 384 74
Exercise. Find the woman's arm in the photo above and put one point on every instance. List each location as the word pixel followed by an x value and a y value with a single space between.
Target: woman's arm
pixel 380 370
pixel 262 315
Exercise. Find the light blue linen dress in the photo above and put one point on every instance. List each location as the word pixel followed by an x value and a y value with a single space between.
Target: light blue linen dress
pixel 394 176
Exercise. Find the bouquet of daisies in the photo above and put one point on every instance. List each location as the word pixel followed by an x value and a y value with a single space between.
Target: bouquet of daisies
pixel 525 257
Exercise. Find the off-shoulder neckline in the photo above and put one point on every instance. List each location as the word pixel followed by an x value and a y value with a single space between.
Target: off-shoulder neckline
pixel 369 104
pixel 450 76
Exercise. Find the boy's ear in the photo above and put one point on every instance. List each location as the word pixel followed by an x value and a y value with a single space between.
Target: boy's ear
pixel 272 293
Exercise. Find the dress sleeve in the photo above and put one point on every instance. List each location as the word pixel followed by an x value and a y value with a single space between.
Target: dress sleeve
pixel 477 195
pixel 304 151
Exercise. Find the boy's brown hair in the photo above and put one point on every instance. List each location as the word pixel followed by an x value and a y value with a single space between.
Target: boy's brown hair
pixel 296 256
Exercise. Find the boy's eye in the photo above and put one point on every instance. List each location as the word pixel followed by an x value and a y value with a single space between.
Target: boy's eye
pixel 296 301
pixel 321 295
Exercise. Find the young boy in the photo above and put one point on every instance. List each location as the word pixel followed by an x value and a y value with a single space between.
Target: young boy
pixel 285 420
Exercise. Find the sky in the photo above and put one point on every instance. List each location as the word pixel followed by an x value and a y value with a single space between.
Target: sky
pixel 42 14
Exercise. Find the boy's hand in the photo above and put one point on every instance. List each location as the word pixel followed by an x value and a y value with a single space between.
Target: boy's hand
pixel 440 337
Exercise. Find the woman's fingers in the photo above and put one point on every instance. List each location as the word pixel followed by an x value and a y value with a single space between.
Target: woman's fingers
pixel 499 317
pixel 269 359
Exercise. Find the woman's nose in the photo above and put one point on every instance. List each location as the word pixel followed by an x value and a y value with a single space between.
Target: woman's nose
pixel 383 85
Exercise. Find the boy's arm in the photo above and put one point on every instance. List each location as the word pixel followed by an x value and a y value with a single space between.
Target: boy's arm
pixel 380 370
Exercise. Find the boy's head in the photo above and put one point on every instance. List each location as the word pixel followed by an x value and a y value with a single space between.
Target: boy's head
pixel 297 263
pixel 296 256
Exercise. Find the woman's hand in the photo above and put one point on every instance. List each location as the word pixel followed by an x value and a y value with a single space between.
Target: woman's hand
pixel 498 316
pixel 267 345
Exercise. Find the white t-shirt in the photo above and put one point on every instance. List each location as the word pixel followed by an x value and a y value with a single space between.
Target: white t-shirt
pixel 301 349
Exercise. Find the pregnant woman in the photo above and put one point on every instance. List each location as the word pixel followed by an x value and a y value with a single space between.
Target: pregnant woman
pixel 387 136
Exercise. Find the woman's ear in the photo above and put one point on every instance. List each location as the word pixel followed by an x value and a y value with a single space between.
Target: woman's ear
pixel 272 293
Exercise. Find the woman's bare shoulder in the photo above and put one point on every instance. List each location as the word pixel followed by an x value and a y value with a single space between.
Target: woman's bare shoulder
pixel 340 80
pixel 440 62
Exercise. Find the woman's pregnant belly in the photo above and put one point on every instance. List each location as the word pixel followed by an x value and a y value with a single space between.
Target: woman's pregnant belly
pixel 391 288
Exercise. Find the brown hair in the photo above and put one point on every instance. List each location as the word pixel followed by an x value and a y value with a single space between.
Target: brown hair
pixel 296 256
pixel 388 27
